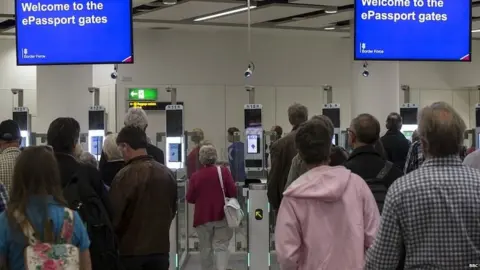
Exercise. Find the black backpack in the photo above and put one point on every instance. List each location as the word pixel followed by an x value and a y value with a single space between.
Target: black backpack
pixel 82 198
pixel 378 186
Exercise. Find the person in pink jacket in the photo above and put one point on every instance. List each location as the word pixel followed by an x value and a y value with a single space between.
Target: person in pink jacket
pixel 328 217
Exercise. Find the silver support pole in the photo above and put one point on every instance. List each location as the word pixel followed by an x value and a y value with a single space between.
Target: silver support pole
pixel 251 94
pixel 19 93
pixel 329 90
pixel 96 95
pixel 478 96
pixel 406 93
pixel 173 95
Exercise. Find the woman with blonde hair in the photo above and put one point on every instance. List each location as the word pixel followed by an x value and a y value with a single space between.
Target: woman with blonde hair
pixel 114 160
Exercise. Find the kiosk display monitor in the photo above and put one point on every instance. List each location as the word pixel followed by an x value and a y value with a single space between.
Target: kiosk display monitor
pixel 335 139
pixel 21 118
pixel 429 30
pixel 253 118
pixel 96 120
pixel 174 123
pixel 65 32
pixel 253 141
pixel 334 115
pixel 97 143
pixel 175 152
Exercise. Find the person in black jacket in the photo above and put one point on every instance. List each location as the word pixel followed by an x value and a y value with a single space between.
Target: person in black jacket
pixel 63 135
pixel 395 144
pixel 138 118
pixel 366 160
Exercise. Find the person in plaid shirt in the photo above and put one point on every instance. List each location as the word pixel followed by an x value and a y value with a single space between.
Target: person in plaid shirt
pixel 430 218
pixel 415 156
pixel 10 139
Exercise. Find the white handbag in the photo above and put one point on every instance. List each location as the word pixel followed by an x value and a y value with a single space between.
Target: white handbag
pixel 233 211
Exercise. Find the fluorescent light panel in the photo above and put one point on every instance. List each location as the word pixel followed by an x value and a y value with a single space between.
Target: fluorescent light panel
pixel 476 31
pixel 225 13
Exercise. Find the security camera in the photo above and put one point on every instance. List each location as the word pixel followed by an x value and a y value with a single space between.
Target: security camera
pixel 15 91
pixel 365 73
pixel 250 70
pixel 114 74
pixel 405 87
pixel 92 89
pixel 327 87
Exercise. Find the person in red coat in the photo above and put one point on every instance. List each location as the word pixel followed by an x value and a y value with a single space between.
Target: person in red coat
pixel 205 191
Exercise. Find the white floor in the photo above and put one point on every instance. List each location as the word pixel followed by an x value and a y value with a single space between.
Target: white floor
pixel 237 262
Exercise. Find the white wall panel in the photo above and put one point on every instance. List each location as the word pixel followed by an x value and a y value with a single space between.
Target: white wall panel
pixel 461 103
pixel 428 97
pixel 286 96
pixel 474 99
pixel 204 108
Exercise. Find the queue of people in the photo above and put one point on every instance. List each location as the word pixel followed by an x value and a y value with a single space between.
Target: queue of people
pixel 388 204
pixel 59 214
pixel 368 214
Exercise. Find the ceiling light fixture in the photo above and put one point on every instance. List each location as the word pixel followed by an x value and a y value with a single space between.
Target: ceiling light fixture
pixel 169 2
pixel 330 28
pixel 331 10
pixel 476 31
pixel 225 13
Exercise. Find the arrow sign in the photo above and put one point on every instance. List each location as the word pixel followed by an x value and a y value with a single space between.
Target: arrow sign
pixel 142 94
pixel 258 214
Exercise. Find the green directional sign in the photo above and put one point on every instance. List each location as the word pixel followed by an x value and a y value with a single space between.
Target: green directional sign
pixel 142 94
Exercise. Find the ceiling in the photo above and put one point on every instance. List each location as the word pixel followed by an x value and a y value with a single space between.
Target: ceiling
pixel 285 15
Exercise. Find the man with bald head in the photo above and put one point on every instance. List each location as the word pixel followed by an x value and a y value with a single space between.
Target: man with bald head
pixel 431 216
pixel 366 161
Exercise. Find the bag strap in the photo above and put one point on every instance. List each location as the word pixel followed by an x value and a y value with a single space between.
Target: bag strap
pixel 219 172
pixel 29 232
pixel 26 227
pixel 66 233
pixel 385 170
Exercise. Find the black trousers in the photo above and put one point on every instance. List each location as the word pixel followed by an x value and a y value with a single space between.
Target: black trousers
pixel 148 262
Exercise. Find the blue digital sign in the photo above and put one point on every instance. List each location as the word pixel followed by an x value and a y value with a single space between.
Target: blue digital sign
pixel 63 32
pixel 413 30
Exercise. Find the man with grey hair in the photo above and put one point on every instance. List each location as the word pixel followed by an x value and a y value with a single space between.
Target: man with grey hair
pixel 430 216
pixel 281 154
pixel 138 118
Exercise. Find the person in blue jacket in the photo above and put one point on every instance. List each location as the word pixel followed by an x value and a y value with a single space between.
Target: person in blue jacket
pixel 236 156
pixel 36 198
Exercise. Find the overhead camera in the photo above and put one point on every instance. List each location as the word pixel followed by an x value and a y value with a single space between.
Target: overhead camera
pixel 250 70
pixel 92 89
pixel 15 91
pixel 114 74
pixel 365 72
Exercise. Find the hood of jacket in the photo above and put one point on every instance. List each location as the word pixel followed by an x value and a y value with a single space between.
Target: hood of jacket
pixel 322 183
